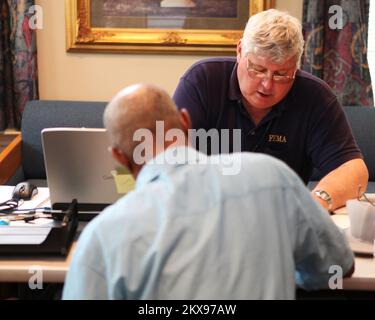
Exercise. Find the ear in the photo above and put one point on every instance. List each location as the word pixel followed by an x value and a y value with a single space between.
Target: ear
pixel 120 157
pixel 239 50
pixel 185 119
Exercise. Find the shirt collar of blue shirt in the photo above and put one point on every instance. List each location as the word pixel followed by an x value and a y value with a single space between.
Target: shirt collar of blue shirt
pixel 168 161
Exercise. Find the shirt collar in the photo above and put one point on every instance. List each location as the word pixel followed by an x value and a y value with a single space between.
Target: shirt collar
pixel 234 92
pixel 167 161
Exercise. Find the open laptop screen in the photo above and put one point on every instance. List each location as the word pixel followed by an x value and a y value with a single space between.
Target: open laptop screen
pixel 79 166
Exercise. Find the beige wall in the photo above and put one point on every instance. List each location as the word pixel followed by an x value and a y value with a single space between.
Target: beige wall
pixel 294 7
pixel 82 76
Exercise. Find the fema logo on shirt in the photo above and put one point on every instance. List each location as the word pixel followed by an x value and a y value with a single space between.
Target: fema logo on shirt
pixel 277 138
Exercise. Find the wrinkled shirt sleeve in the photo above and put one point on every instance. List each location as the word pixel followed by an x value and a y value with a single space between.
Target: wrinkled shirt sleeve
pixel 319 245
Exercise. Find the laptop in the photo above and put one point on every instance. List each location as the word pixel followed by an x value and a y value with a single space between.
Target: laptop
pixel 79 166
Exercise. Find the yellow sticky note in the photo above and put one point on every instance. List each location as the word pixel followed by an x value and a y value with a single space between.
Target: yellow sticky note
pixel 124 180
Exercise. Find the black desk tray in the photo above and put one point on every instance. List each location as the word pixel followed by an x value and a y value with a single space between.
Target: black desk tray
pixel 58 241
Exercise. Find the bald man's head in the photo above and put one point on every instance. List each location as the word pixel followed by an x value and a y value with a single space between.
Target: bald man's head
pixel 138 107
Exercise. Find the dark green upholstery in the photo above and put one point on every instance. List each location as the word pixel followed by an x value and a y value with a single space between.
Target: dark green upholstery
pixel 362 122
pixel 42 114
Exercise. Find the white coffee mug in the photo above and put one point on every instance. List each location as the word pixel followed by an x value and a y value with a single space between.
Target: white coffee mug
pixel 362 219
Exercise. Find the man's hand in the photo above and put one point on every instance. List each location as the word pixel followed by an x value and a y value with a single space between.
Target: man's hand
pixel 346 182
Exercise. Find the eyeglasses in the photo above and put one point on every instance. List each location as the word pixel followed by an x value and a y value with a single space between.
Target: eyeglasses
pixel 261 75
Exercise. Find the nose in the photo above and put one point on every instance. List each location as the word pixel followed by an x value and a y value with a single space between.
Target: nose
pixel 267 84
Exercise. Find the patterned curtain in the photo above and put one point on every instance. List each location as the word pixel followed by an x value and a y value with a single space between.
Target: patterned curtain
pixel 18 61
pixel 339 55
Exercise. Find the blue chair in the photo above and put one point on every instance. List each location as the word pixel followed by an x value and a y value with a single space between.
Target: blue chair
pixel 362 122
pixel 40 114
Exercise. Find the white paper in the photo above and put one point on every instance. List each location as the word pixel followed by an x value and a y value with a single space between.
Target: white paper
pixel 20 232
pixel 23 235
pixel 40 199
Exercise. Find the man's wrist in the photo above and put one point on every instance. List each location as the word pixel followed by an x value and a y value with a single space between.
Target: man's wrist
pixel 324 198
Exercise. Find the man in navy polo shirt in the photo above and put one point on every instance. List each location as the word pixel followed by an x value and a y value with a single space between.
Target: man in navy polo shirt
pixel 281 110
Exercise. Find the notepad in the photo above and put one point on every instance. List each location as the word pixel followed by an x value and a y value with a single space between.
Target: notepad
pixel 124 180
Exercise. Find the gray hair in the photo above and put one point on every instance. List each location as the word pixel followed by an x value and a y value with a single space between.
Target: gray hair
pixel 138 107
pixel 274 34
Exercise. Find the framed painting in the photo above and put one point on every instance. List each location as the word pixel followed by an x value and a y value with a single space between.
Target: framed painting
pixel 159 26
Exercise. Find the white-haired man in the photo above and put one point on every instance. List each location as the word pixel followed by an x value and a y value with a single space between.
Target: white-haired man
pixel 281 110
pixel 188 231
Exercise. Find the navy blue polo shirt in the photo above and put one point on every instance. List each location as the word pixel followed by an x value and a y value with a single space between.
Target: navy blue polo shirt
pixel 307 129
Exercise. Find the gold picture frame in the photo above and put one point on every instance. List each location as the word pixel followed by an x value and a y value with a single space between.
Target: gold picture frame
pixel 82 36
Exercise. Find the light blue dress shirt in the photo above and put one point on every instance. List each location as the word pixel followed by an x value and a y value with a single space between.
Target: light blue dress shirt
pixel 188 231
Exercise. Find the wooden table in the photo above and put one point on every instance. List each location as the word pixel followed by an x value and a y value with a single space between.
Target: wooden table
pixel 10 155
pixel 21 268
pixel 16 269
